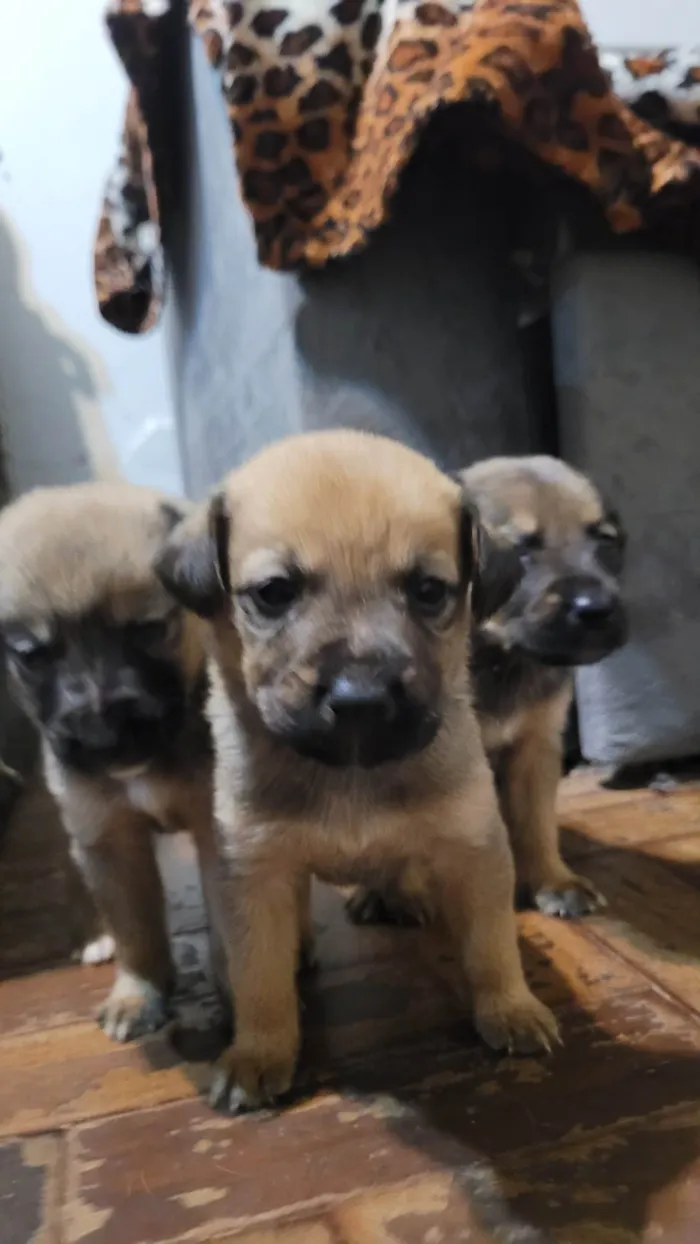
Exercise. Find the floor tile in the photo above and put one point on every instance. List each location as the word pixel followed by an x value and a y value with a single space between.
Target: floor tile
pixel 639 1181
pixel 653 920
pixel 75 1072
pixel 649 818
pixel 442 1208
pixel 29 1174
pixel 404 1131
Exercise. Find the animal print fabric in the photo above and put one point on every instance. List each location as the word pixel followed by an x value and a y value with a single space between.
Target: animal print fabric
pixel 327 102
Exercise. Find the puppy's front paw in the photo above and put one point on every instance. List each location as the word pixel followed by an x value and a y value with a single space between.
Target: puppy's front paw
pixel 366 906
pixel 134 1008
pixel 520 1025
pixel 253 1073
pixel 568 897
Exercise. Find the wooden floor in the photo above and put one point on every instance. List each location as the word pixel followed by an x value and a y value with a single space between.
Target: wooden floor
pixel 407 1132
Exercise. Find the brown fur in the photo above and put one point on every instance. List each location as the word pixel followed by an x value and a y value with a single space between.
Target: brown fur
pixel 69 553
pixel 355 512
pixel 524 736
pixel 522 703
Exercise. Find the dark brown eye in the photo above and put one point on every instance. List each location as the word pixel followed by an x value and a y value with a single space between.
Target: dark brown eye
pixel 428 595
pixel 275 596
pixel 530 542
pixel 27 648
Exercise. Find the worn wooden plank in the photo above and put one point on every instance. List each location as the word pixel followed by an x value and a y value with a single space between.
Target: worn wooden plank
pixel 653 920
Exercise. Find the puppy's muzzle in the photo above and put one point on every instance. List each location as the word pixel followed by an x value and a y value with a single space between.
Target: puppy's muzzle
pixel 365 715
pixel 95 733
pixel 586 625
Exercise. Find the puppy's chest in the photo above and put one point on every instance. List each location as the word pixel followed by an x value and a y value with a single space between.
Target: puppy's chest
pixel 168 804
pixel 352 844
pixel 508 687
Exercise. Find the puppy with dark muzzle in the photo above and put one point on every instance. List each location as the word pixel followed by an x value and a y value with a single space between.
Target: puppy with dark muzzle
pixel 334 571
pixel 112 673
pixel 563 609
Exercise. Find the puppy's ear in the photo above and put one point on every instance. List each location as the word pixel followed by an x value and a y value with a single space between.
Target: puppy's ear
pixel 494 570
pixel 193 563
pixel 172 514
pixel 497 575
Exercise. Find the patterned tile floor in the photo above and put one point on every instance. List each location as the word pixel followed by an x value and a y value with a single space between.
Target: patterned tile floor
pixel 406 1131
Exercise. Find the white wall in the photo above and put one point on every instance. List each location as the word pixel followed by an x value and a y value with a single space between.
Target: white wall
pixel 76 397
pixel 643 23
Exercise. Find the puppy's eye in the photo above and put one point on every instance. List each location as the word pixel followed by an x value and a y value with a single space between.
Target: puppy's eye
pixel 275 596
pixel 428 594
pixel 28 648
pixel 530 542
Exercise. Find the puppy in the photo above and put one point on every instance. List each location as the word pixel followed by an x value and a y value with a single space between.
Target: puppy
pixel 112 673
pixel 563 610
pixel 334 571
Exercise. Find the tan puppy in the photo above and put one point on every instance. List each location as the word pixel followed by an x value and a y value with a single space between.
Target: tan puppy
pixel 564 610
pixel 334 570
pixel 112 673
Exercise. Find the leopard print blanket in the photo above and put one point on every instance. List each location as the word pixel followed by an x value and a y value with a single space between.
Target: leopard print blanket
pixel 327 102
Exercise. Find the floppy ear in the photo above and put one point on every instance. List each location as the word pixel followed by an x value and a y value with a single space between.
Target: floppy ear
pixel 494 570
pixel 193 563
pixel 172 513
pixel 498 574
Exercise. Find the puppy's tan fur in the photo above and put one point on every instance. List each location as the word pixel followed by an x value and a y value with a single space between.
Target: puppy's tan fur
pixel 522 705
pixel 355 510
pixel 66 553
pixel 517 498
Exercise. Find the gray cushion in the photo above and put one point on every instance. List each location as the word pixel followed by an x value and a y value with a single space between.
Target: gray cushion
pixel 627 340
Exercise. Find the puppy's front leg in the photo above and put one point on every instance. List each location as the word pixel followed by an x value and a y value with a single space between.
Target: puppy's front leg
pixel 530 781
pixel 475 898
pixel 261 915
pixel 120 868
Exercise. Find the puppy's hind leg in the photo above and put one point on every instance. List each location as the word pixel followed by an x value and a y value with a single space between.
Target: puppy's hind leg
pixel 121 871
pixel 405 903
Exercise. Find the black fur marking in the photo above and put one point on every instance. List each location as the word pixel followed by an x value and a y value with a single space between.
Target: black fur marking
pixel 508 680
pixel 194 569
pixel 107 696
pixel 493 569
pixel 172 514
pixel 497 576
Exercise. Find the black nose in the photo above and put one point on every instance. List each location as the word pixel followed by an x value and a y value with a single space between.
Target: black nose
pixel 589 600
pixel 362 694
pixel 120 714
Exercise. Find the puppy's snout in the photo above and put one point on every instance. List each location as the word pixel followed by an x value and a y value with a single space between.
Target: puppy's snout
pixel 587 600
pixel 364 711
pixel 88 728
pixel 358 695
pixel 123 712
pixel 98 724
